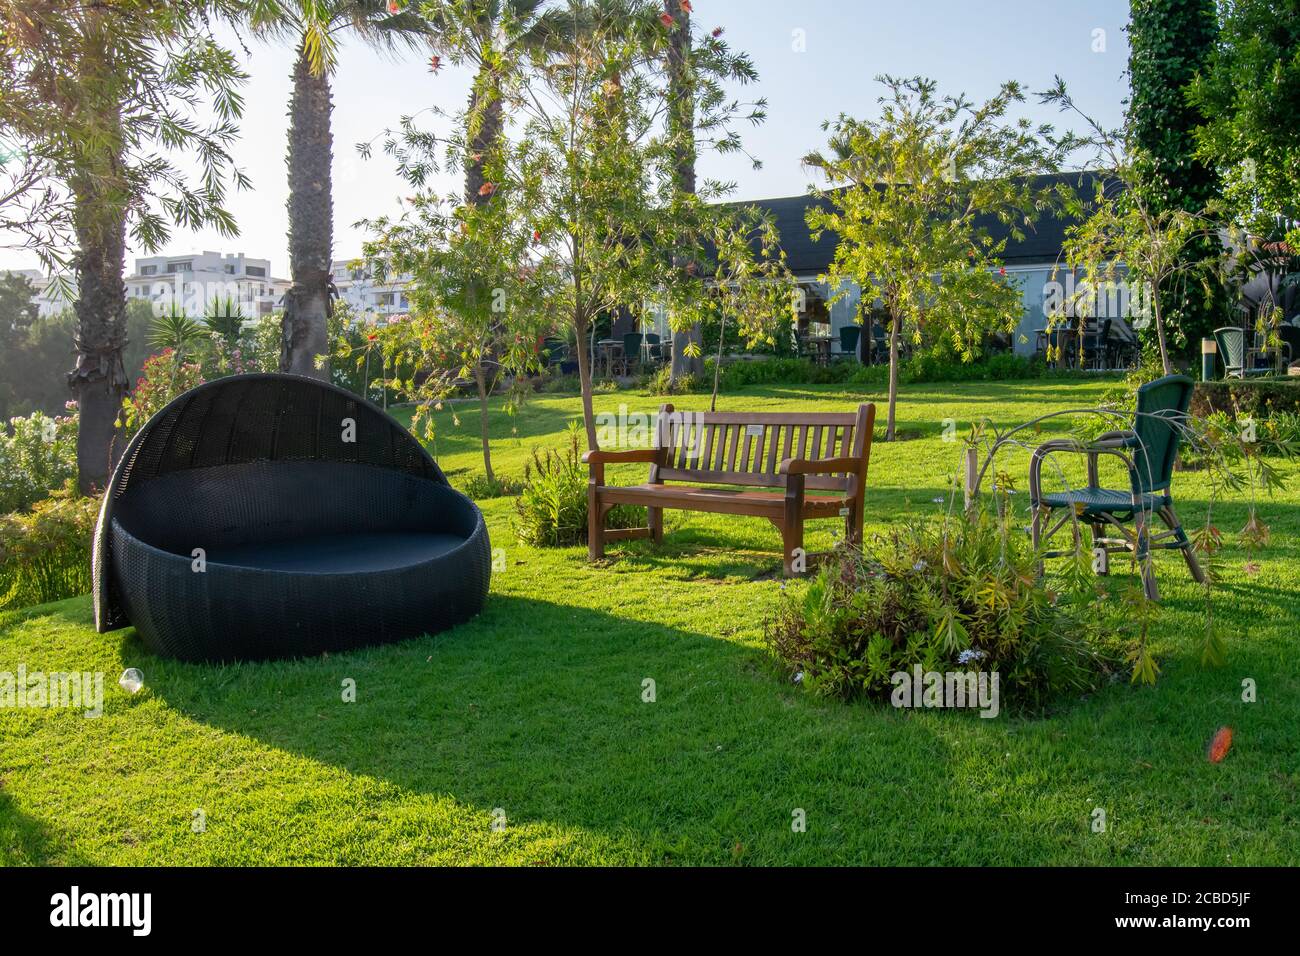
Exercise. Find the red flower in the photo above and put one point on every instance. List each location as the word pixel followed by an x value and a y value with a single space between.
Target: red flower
pixel 1220 744
pixel 372 336
pixel 1002 271
pixel 666 19
pixel 717 32
pixel 392 6
pixel 487 189
pixel 537 235
pixel 435 63
pixel 686 5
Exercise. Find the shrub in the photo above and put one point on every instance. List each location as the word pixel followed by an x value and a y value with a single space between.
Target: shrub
pixel 165 376
pixel 45 552
pixel 481 488
pixel 943 595
pixel 37 455
pixel 551 511
pixel 1258 398
pixel 660 382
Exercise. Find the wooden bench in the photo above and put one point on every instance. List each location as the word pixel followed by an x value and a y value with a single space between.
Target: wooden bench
pixel 794 452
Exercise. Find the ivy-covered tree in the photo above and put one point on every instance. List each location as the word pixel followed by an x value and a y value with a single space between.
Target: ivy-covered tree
pixel 912 187
pixel 1248 92
pixel 1170 41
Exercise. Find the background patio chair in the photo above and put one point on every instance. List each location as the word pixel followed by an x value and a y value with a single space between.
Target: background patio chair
pixel 1148 451
pixel 849 336
pixel 1239 361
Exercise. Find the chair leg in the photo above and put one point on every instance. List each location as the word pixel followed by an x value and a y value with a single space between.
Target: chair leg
pixel 595 525
pixel 1170 518
pixel 1099 532
pixel 1036 532
pixel 1142 551
pixel 655 521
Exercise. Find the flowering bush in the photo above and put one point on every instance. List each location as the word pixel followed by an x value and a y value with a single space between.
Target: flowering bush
pixel 944 595
pixel 37 454
pixel 166 375
pixel 45 552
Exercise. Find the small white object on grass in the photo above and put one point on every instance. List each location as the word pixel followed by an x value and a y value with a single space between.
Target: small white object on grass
pixel 131 680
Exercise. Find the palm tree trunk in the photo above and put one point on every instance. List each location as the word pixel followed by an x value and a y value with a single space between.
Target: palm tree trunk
pixel 895 326
pixel 99 381
pixel 484 134
pixel 307 305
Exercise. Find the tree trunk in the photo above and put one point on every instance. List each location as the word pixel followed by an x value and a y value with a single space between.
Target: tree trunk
pixel 99 381
pixel 717 366
pixel 895 327
pixel 480 379
pixel 1160 335
pixel 483 135
pixel 584 376
pixel 681 128
pixel 308 304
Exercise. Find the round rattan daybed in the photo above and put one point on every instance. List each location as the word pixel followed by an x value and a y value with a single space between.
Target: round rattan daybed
pixel 266 516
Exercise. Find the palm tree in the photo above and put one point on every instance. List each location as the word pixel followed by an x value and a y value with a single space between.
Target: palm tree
pixel 487 34
pixel 99 95
pixel 315 26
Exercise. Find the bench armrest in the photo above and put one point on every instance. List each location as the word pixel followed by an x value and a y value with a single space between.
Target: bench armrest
pixel 650 455
pixel 819 466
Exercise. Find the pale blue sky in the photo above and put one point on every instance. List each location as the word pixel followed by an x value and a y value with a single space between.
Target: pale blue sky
pixel 966 45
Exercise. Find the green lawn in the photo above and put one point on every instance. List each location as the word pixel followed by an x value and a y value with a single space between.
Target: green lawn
pixel 536 708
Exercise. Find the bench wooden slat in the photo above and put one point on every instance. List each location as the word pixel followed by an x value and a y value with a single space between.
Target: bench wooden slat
pixel 744 451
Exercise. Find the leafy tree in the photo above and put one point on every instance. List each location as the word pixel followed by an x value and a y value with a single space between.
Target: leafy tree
pixel 104 98
pixel 1249 95
pixel 913 185
pixel 315 26
pixel 1121 233
pixel 1169 42
pixel 17 314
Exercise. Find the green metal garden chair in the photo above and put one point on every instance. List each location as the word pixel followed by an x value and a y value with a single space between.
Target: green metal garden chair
pixel 1148 450
pixel 1237 359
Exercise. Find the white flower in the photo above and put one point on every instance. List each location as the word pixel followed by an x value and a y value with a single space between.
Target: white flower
pixel 920 565
pixel 966 656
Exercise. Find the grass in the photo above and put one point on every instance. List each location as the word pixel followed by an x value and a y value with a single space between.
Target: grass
pixel 535 709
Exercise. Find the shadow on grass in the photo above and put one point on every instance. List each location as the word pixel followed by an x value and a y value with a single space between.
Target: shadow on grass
pixel 540 709
pixel 26 841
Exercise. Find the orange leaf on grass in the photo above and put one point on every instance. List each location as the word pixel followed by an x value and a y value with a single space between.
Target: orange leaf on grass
pixel 1220 744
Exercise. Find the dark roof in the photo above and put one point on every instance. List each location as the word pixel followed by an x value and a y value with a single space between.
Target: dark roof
pixel 1041 243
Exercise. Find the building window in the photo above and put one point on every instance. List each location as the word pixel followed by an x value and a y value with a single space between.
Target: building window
pixel 180 267
pixel 255 271
pixel 148 270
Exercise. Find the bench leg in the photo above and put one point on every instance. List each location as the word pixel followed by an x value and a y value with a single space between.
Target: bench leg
pixel 1170 518
pixel 853 525
pixel 655 521
pixel 794 560
pixel 595 524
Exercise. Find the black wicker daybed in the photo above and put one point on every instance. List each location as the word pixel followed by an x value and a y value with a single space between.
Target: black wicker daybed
pixel 267 516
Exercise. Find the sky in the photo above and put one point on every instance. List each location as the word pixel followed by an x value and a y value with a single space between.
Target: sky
pixel 815 59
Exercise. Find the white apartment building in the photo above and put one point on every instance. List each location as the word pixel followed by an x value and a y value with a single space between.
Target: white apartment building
pixel 199 282
pixel 49 301
pixel 371 301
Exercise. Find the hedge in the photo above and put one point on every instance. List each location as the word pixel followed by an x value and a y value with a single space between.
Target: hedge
pixel 1257 397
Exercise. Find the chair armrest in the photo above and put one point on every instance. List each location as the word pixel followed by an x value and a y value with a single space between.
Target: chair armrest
pixel 1111 443
pixel 819 466
pixel 599 457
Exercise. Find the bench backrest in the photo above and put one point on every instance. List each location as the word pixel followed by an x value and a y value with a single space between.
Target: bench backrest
pixel 746 448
